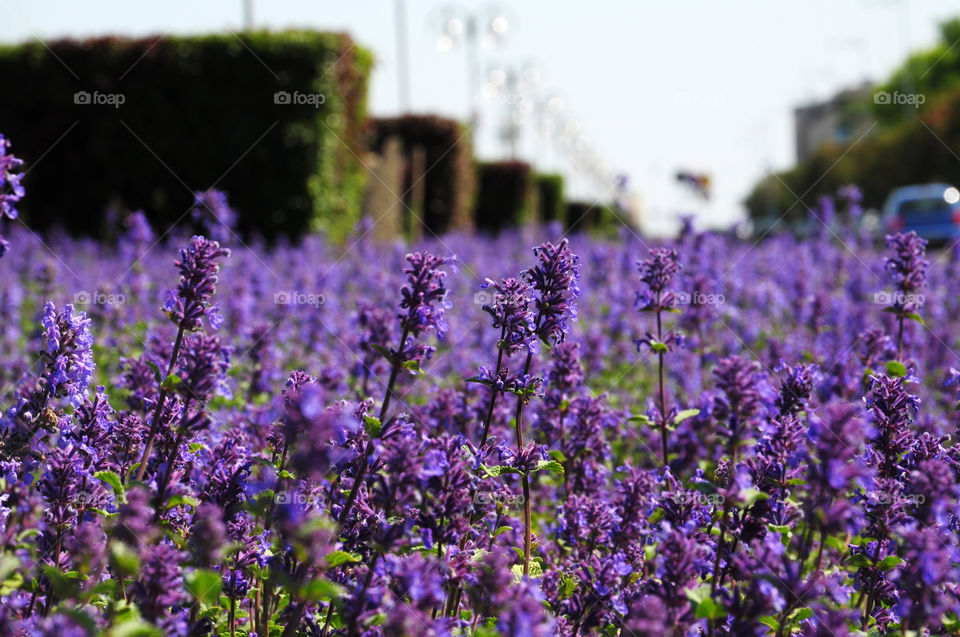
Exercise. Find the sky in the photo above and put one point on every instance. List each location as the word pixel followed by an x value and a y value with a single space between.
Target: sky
pixel 654 87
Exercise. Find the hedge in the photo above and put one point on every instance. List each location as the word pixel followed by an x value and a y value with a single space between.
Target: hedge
pixel 550 203
pixel 196 112
pixel 505 195
pixel 448 181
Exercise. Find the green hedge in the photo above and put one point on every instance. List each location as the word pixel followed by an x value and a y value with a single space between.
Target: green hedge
pixel 550 203
pixel 448 180
pixel 505 195
pixel 196 112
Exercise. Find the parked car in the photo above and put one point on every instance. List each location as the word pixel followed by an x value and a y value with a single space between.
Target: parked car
pixel 931 210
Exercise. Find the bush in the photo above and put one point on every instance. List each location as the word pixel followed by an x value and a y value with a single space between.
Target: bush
pixel 550 205
pixel 505 195
pixel 448 168
pixel 179 114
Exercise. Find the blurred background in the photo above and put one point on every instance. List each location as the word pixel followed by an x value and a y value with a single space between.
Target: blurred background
pixel 589 114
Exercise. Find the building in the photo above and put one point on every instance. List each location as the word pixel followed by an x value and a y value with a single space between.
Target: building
pixel 838 120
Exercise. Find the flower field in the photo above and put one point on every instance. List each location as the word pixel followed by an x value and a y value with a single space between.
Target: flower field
pixel 486 436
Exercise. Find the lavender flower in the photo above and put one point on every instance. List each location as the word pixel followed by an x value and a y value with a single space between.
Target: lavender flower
pixel 424 294
pixel 511 313
pixel 68 352
pixel 11 190
pixel 554 279
pixel 657 272
pixel 213 214
pixel 190 302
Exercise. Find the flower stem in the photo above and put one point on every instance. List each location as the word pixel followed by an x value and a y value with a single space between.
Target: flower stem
pixel 161 399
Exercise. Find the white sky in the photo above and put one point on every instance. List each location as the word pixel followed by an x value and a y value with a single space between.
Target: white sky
pixel 656 86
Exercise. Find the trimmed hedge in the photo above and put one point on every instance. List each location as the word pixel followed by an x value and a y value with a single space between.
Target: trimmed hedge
pixel 505 195
pixel 550 203
pixel 196 112
pixel 448 180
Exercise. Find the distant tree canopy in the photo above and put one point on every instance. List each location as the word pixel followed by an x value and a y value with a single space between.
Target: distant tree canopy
pixel 917 141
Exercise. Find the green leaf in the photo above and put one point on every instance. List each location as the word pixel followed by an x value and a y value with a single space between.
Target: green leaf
pixel 135 628
pixel 497 470
pixel 372 425
pixel 157 374
pixel 709 609
pixel 205 585
pixel 801 614
pixel 913 316
pixel 112 479
pixel 659 348
pixel 383 351
pixel 171 382
pixel 321 590
pixel 684 415
pixel 641 418
pixel 568 584
pixel 896 369
pixel 550 465
pixel 337 558
pixel 500 531
pixel 124 559
pixel 890 561
pixel 65 585
pixel 557 455
pixel 180 499
pixel 8 565
pixel 859 560
pixel 770 622
pixel 536 570
pixel 413 367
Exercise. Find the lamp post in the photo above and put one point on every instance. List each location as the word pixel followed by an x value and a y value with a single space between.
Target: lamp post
pixel 471 29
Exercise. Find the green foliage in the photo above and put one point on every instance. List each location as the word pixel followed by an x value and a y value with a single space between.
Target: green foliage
pixel 197 112
pixel 448 180
pixel 907 144
pixel 550 203
pixel 505 195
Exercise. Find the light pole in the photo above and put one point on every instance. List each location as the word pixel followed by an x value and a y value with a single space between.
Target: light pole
pixel 247 15
pixel 403 64
pixel 468 28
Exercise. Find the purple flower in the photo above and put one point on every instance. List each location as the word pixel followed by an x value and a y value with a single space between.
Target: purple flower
pixel 424 294
pixel 511 313
pixel 68 354
pixel 554 279
pixel 657 272
pixel 190 302
pixel 213 214
pixel 11 190
pixel 160 585
pixel 202 367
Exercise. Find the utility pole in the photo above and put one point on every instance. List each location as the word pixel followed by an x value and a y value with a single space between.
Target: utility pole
pixel 403 64
pixel 247 15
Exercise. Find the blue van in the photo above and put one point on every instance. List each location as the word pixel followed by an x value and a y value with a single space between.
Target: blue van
pixel 931 210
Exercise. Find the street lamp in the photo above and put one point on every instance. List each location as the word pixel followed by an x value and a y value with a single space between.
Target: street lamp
pixel 471 29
